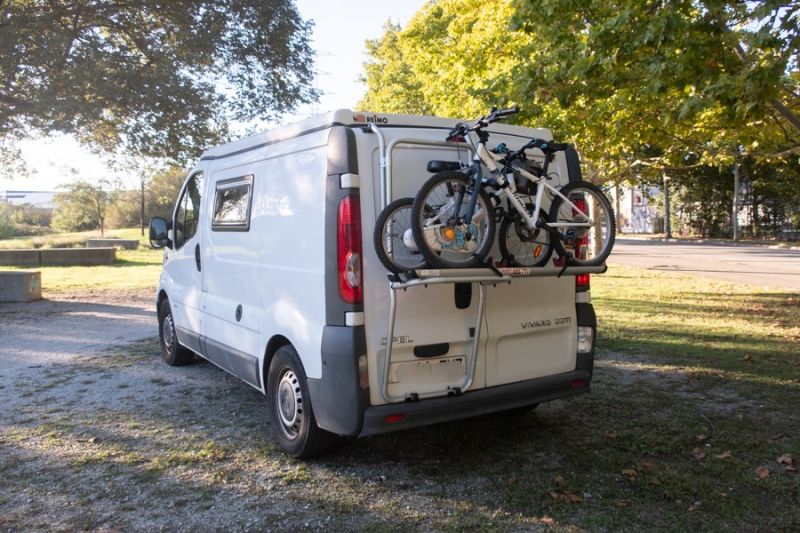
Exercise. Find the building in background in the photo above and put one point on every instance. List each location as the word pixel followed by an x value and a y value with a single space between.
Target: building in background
pixel 41 199
pixel 636 208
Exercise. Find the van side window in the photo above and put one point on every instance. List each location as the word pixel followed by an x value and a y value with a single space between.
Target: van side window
pixel 232 204
pixel 188 210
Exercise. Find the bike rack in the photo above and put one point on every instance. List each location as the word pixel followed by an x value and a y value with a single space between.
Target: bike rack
pixel 481 276
pixel 386 157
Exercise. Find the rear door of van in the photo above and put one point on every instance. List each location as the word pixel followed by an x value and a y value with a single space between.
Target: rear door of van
pixel 528 327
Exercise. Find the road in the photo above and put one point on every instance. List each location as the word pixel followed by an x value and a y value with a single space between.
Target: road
pixel 756 265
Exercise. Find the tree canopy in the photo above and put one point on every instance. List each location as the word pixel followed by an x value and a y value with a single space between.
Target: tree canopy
pixel 150 77
pixel 633 81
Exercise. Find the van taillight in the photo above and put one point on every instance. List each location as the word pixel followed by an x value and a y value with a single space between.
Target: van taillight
pixel 349 249
pixel 582 282
pixel 582 242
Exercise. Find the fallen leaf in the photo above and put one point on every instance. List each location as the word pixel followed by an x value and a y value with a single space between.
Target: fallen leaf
pixel 566 496
pixel 762 472
pixel 546 520
pixel 776 437
pixel 630 473
pixel 645 464
pixel 747 357
pixel 724 455
pixel 558 480
pixel 698 454
pixel 694 506
pixel 702 437
pixel 788 462
pixel 723 494
pixel 622 503
pixel 611 434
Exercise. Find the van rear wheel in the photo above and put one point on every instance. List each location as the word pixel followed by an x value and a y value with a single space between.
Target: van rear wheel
pixel 173 353
pixel 291 415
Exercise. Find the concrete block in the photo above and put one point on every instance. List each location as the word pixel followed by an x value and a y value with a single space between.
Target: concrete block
pixel 78 256
pixel 20 285
pixel 21 257
pixel 125 244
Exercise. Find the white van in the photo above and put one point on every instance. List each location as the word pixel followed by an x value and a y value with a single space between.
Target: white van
pixel 270 274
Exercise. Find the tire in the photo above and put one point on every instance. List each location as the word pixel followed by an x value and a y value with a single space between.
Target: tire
pixel 392 223
pixel 173 353
pixel 522 247
pixel 434 197
pixel 588 246
pixel 291 416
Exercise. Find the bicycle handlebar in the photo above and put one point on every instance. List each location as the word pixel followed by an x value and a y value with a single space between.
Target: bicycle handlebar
pixel 494 115
pixel 462 128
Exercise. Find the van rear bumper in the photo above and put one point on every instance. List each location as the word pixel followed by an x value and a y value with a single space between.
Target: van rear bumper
pixel 474 403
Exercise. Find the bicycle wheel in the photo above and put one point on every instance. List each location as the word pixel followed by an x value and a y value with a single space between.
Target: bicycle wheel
pixel 392 238
pixel 522 246
pixel 443 237
pixel 590 242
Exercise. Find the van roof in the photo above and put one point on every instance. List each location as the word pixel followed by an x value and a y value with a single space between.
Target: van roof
pixel 347 117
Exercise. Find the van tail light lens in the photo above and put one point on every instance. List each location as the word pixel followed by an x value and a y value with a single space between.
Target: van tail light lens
pixel 582 282
pixel 582 241
pixel 349 249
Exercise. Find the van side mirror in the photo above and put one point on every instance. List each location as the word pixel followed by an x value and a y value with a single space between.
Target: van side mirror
pixel 158 233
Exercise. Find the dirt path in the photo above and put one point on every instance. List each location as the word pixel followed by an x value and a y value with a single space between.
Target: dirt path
pixel 97 433
pixel 69 325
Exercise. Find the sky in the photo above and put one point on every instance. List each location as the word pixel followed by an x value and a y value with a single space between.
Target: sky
pixel 340 29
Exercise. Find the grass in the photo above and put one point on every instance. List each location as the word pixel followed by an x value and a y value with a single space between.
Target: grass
pixel 695 392
pixel 710 326
pixel 134 269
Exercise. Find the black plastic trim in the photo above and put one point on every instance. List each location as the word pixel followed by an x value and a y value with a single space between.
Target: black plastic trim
pixel 573 165
pixel 240 364
pixel 473 403
pixel 190 339
pixel 432 350
pixel 336 397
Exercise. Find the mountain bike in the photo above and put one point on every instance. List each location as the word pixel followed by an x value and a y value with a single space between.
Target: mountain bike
pixel 453 217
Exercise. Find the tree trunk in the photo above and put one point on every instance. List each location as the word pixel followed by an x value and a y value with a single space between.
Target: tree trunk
pixel 735 210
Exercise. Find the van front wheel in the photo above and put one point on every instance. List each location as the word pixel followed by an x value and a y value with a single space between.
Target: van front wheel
pixel 173 353
pixel 291 416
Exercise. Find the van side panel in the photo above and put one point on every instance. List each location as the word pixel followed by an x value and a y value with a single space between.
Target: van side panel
pixel 290 224
pixel 275 270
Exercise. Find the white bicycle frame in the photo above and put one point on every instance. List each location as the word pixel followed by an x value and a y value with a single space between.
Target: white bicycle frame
pixel 490 160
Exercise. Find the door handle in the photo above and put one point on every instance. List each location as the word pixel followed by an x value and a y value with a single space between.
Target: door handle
pixel 197 256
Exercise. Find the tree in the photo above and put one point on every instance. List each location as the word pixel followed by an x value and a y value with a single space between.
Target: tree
pixel 82 206
pixel 640 87
pixel 6 220
pixel 161 193
pixel 149 77
pixel 719 78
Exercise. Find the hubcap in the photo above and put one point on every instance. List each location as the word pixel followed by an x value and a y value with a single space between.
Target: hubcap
pixel 167 332
pixel 290 403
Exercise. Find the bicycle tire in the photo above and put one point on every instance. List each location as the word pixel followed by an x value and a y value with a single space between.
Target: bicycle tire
pixel 530 248
pixel 400 258
pixel 432 198
pixel 589 246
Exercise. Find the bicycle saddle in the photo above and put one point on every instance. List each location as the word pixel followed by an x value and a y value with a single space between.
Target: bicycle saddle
pixel 436 165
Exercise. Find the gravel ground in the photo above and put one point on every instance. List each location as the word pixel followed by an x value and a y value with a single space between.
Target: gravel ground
pixel 97 434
